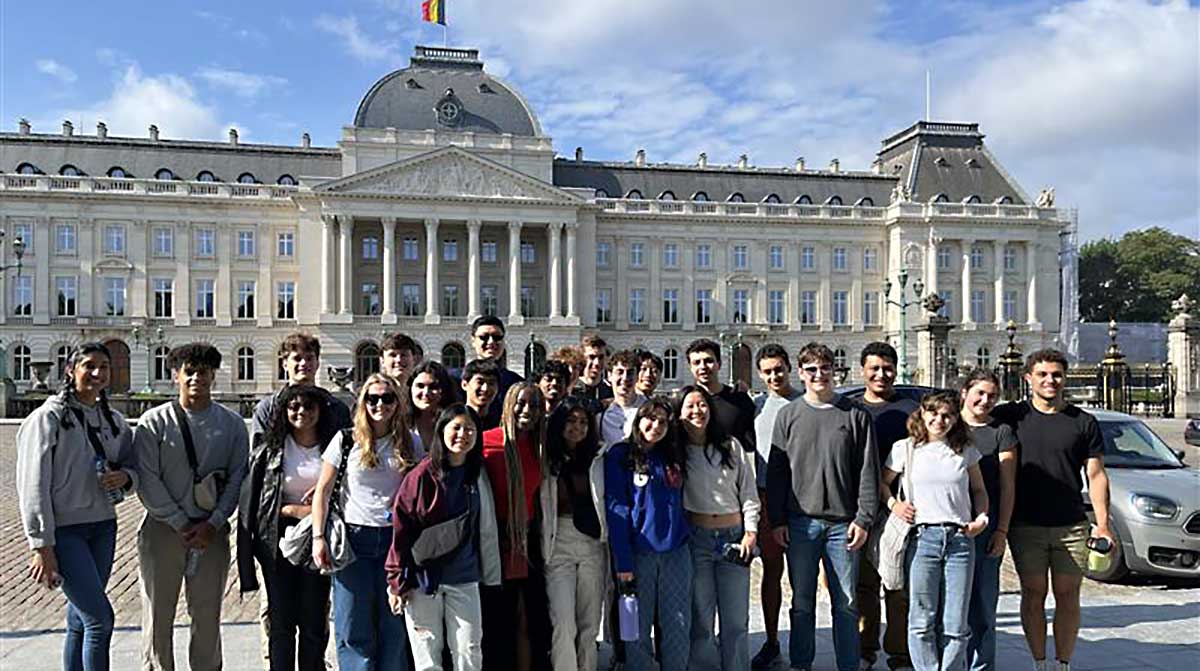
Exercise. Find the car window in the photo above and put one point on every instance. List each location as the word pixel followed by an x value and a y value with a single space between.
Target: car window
pixel 1131 444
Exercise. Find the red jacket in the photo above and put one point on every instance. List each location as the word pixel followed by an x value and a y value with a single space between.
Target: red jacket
pixel 515 566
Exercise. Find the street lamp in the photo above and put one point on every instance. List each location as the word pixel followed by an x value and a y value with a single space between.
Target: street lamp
pixel 18 247
pixel 150 342
pixel 903 303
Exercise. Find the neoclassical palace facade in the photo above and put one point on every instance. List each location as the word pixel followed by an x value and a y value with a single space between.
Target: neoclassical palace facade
pixel 444 200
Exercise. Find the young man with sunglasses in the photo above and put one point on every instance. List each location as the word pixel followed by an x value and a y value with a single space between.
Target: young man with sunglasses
pixel 732 410
pixel 822 495
pixel 487 338
pixel 889 413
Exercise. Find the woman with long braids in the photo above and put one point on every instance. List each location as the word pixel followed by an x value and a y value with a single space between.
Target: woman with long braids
pixel 518 631
pixel 430 389
pixel 75 461
pixel 369 636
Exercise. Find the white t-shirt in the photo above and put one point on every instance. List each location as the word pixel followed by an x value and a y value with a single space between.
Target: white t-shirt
pixel 301 468
pixel 367 493
pixel 616 422
pixel 941 485
pixel 419 450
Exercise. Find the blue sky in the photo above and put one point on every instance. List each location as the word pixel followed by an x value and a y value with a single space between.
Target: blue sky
pixel 1098 98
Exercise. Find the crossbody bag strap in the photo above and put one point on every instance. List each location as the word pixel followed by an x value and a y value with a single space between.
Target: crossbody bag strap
pixel 909 449
pixel 335 494
pixel 189 446
pixel 91 434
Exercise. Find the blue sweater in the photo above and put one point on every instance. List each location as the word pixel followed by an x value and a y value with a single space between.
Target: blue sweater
pixel 641 518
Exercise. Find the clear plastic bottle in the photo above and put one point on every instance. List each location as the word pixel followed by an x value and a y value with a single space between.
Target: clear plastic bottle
pixel 193 562
pixel 114 495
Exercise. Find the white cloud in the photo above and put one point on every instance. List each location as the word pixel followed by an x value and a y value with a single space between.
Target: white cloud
pixel 242 84
pixel 167 101
pixel 53 68
pixel 356 41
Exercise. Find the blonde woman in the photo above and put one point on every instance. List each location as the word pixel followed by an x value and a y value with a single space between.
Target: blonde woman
pixel 368 635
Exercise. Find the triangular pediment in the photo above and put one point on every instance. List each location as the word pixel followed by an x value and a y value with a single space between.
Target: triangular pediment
pixel 449 172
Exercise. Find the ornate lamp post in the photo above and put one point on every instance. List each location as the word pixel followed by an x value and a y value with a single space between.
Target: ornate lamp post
pixel 149 341
pixel 734 340
pixel 18 247
pixel 903 303
pixel 1010 366
pixel 530 352
pixel 1114 374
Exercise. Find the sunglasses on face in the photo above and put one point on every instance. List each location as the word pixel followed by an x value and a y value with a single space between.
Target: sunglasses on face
pixel 296 406
pixel 814 370
pixel 490 337
pixel 387 398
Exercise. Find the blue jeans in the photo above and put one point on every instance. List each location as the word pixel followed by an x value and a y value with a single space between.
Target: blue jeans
pixel 664 583
pixel 940 563
pixel 985 595
pixel 85 557
pixel 369 637
pixel 815 541
pixel 721 588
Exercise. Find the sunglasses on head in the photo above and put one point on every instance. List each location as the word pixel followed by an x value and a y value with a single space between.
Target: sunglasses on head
pixel 386 398
pixel 491 337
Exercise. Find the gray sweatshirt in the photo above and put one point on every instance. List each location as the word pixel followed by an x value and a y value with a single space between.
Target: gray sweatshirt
pixel 222 443
pixel 57 482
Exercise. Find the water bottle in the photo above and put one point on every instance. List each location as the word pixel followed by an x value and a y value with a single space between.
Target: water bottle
pixel 1099 554
pixel 627 611
pixel 115 496
pixel 193 562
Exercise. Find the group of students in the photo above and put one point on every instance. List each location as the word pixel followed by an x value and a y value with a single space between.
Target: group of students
pixel 489 522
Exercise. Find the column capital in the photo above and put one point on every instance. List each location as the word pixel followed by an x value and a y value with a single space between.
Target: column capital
pixel 388 221
pixel 327 218
pixel 571 226
pixel 473 225
pixel 515 225
pixel 432 222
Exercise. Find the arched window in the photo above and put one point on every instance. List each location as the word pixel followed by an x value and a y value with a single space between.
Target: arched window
pixel 62 354
pixel 206 176
pixel 287 180
pixel 941 198
pixel 245 364
pixel 69 170
pixel 771 198
pixel 454 356
pixel 983 357
pixel 865 202
pixel 834 200
pixel 700 197
pixel 27 169
pixel 634 194
pixel 21 363
pixel 601 193
pixel 117 172
pixel 804 200
pixel 164 173
pixel 973 200
pixel 1004 200
pixel 839 358
pixel 666 195
pixel 366 361
pixel 670 363
pixel 535 358
pixel 162 372
pixel 246 178
pixel 737 197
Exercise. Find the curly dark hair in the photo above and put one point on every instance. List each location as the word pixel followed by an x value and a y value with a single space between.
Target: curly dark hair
pixel 195 354
pixel 280 429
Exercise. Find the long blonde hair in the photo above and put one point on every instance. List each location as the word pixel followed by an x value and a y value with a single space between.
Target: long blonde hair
pixel 518 519
pixel 397 427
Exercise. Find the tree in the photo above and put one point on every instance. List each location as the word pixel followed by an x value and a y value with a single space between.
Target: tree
pixel 1134 279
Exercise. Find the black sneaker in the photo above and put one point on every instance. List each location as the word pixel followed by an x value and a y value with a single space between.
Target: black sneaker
pixel 766 657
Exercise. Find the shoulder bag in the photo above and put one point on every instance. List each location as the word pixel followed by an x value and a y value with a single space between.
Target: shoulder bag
pixel 296 543
pixel 206 491
pixel 889 539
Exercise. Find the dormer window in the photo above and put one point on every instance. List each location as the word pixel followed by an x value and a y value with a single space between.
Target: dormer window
pixel 897 168
pixel 771 198
pixel 941 162
pixel 737 197
pixel 246 178
pixel 634 194
pixel 973 200
pixel 206 176
pixel 940 198
pixel 484 88
pixel 666 195
pixel 700 197
pixel 865 202
pixel 834 200
pixel 27 169
pixel 117 172
pixel 412 84
pixel 601 193
pixel 972 163
pixel 287 180
pixel 804 200
pixel 70 171
pixel 164 173
pixel 1004 200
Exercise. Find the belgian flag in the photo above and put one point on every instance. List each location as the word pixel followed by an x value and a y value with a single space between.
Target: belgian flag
pixel 433 11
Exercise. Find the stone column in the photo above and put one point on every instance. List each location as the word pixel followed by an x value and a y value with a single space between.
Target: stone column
pixel 6 281
pixel 825 297
pixel 654 301
pixel 998 273
pixel 1031 271
pixel 932 352
pixel 183 278
pixel 572 287
pixel 87 276
pixel 346 238
pixel 327 244
pixel 432 309
pixel 264 296
pixel 389 271
pixel 966 283
pixel 792 250
pixel 43 236
pixel 135 253
pixel 224 287
pixel 1183 351
pixel 554 259
pixel 473 227
pixel 515 317
pixel 931 266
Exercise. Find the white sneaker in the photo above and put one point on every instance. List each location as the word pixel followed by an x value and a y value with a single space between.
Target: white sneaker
pixel 1040 665
pixel 1058 665
pixel 865 665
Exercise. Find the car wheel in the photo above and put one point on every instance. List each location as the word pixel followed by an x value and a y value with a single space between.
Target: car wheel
pixel 1117 570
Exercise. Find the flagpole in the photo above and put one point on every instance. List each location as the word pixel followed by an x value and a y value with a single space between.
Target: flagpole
pixel 444 43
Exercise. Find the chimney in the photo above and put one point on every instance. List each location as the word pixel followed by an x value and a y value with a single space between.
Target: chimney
pixel 835 166
pixel 68 128
pixel 154 132
pixel 743 162
pixel 799 164
pixel 640 158
pixel 101 130
pixel 306 140
pixel 233 136
pixel 23 126
pixel 578 154
pixel 702 161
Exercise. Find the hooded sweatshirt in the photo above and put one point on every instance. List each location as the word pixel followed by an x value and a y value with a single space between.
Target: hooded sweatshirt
pixel 57 483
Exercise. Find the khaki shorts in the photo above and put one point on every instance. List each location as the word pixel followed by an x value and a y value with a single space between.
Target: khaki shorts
pixel 1062 550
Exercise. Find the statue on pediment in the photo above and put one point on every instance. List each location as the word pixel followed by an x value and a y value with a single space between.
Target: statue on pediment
pixel 900 193
pixel 1045 197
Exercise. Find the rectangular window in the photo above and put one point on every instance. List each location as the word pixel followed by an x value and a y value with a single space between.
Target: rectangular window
pixel 66 289
pixel 206 306
pixel 410 250
pixel 947 299
pixel 704 256
pixel 450 250
pixel 114 239
pixel 24 232
pixel 285 247
pixel 943 258
pixel 22 295
pixel 808 307
pixel 1010 258
pixel 636 251
pixel 245 364
pixel 976 258
pixel 839 307
pixel 487 251
pixel 776 257
pixel 637 306
pixel 371 303
pixel 670 255
pixel 528 253
pixel 808 258
pixel 206 242
pixel 978 298
pixel 741 306
pixel 839 258
pixel 64 239
pixel 670 306
pixel 741 257
pixel 245 299
pixel 114 296
pixel 870 308
pixel 410 300
pixel 285 300
pixel 164 298
pixel 1010 305
pixel 490 299
pixel 604 306
pixel 164 242
pixel 603 249
pixel 704 306
pixel 370 248
pixel 450 300
pixel 245 244
pixel 775 306
pixel 870 258
pixel 528 301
